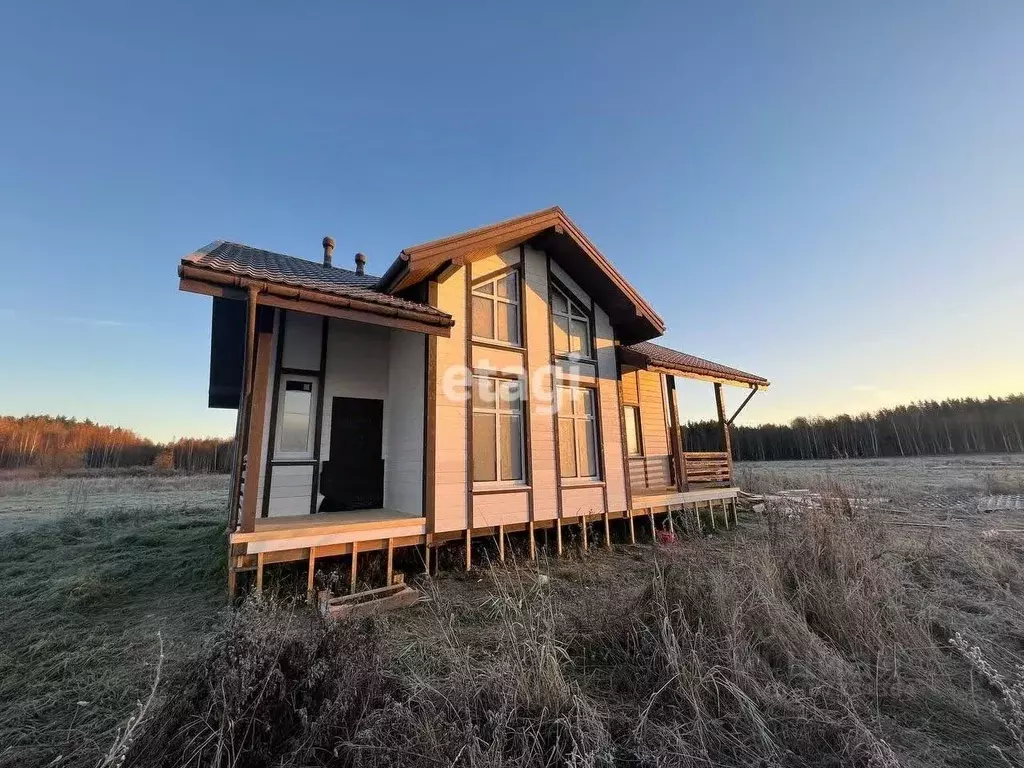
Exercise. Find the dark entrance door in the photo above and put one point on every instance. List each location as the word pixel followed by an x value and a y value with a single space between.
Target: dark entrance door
pixel 353 478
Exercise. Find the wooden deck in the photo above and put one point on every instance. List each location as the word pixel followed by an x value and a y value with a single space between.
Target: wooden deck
pixel 673 498
pixel 329 529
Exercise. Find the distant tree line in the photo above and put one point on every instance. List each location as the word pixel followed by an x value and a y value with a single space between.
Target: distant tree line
pixel 58 443
pixel 925 428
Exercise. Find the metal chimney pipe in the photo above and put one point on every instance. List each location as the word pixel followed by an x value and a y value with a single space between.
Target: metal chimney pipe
pixel 360 264
pixel 328 250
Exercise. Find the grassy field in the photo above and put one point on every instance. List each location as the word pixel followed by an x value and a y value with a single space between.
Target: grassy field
pixel 812 635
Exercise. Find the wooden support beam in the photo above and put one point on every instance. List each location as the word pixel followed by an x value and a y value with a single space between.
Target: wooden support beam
pixel 558 535
pixel 632 529
pixel 310 572
pixel 533 541
pixel 426 556
pixel 696 516
pixel 354 573
pixel 391 563
pixel 671 524
pixel 232 580
pixel 676 435
pixel 469 549
pixel 607 532
pixel 654 530
pixel 583 529
pixel 259 573
pixel 501 542
pixel 723 426
pixel 743 405
pixel 711 511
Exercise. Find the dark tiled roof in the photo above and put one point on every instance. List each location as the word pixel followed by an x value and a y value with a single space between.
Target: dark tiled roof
pixel 664 357
pixel 245 261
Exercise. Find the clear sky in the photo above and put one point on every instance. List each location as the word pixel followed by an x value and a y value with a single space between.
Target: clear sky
pixel 827 194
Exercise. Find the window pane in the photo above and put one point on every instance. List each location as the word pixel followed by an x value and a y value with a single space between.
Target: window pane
pixel 579 337
pixel 565 401
pixel 560 334
pixel 483 392
pixel 487 288
pixel 296 409
pixel 587 439
pixel 567 447
pixel 509 395
pixel 632 431
pixel 508 286
pixel 483 318
pixel 583 399
pixel 508 323
pixel 511 448
pixel 558 302
pixel 484 464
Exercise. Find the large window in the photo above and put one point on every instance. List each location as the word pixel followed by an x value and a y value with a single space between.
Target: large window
pixel 497 430
pixel 634 438
pixel 577 433
pixel 570 326
pixel 295 408
pixel 496 309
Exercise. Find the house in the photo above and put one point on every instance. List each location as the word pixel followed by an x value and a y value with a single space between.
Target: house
pixel 496 381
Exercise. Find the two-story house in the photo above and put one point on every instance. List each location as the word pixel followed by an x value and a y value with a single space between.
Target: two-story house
pixel 497 381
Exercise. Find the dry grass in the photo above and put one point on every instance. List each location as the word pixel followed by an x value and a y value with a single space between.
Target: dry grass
pixel 806 638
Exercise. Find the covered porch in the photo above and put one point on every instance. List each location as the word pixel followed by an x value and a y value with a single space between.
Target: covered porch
pixel 677 476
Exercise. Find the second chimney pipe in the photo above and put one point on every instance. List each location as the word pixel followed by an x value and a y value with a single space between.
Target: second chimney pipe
pixel 328 250
pixel 360 264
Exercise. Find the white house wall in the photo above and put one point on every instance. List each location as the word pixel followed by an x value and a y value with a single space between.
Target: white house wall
pixel 403 466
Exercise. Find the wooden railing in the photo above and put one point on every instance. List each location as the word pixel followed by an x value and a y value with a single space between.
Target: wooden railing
pixel 650 473
pixel 707 468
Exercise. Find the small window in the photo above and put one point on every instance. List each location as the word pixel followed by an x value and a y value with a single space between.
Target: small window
pixel 497 430
pixel 577 433
pixel 295 418
pixel 631 417
pixel 495 309
pixel 570 326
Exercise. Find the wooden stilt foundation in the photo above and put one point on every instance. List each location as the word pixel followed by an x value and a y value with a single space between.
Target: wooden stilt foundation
pixel 607 533
pixel 259 573
pixel 354 573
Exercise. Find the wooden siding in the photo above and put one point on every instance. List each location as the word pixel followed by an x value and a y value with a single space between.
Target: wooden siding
pixel 492 358
pixel 630 388
pixel 503 508
pixel 587 500
pixel 450 457
pixel 653 419
pixel 493 263
pixel 290 489
pixel 611 424
pixel 543 477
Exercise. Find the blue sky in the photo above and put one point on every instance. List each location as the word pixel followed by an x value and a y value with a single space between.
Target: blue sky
pixel 831 195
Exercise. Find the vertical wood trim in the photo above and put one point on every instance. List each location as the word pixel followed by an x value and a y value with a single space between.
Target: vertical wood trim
pixel 310 572
pixel 318 429
pixel 244 410
pixel 272 434
pixel 254 438
pixel 622 435
pixel 468 362
pixel 527 407
pixel 554 409
pixel 724 426
pixel 598 409
pixel 390 572
pixel 675 436
pixel 354 573
pixel 430 423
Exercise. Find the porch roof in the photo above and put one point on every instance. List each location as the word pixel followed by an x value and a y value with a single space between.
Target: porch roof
pixel 654 356
pixel 233 264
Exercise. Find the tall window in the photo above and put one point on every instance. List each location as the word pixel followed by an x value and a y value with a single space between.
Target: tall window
pixel 496 309
pixel 295 418
pixel 577 432
pixel 634 439
pixel 497 430
pixel 570 325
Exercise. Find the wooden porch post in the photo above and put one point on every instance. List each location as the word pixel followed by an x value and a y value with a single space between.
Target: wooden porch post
pixel 723 425
pixel 676 443
pixel 257 408
pixel 242 420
